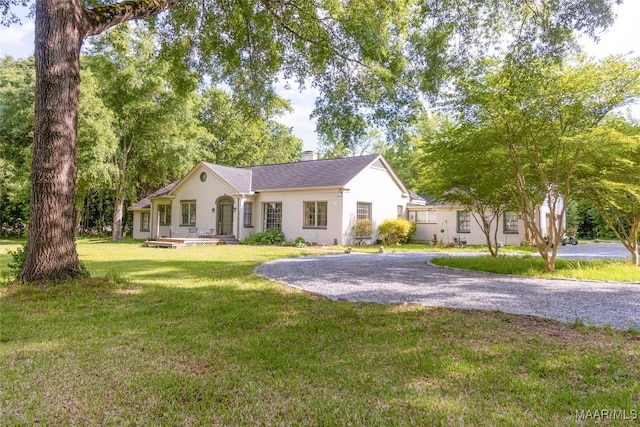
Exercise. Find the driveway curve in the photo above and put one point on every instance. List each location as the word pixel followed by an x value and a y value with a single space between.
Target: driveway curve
pixel 411 278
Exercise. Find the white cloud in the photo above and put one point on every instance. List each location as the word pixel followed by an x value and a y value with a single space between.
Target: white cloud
pixel 622 38
pixel 17 40
pixel 299 120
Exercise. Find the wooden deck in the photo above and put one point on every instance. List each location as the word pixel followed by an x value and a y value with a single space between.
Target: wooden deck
pixel 181 242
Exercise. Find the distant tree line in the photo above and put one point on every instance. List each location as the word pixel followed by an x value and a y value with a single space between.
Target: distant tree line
pixel 137 131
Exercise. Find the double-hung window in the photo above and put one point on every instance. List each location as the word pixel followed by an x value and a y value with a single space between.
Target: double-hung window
pixel 363 210
pixel 315 214
pixel 463 222
pixel 188 208
pixel 164 212
pixel 144 221
pixel 364 227
pixel 248 214
pixel 272 216
pixel 511 223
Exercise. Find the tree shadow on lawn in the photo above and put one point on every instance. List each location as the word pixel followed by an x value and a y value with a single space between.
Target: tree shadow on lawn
pixel 172 272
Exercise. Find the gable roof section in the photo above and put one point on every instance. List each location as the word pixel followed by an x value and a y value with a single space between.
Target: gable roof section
pixel 308 174
pixel 238 178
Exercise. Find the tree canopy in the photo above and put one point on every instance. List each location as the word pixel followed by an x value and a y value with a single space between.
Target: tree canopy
pixel 610 180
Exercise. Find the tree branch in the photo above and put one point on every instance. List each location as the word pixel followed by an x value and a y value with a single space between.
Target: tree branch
pixel 104 17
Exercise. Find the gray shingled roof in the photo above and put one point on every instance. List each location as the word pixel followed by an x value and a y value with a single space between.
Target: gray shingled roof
pixel 427 200
pixel 146 203
pixel 305 174
pixel 238 178
pixel 308 174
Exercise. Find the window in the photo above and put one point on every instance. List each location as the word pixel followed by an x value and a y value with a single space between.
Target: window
pixel 164 212
pixel 511 223
pixel 363 210
pixel 464 222
pixel 144 221
pixel 248 214
pixel 400 211
pixel 272 216
pixel 188 212
pixel 422 217
pixel 363 225
pixel 315 214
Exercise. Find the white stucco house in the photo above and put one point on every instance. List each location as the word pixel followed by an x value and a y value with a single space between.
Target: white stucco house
pixel 318 200
pixel 451 223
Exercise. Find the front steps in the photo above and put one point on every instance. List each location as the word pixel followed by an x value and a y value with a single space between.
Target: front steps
pixel 176 242
pixel 228 239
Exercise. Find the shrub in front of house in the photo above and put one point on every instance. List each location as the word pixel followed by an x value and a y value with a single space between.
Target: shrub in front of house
pixel 398 230
pixel 363 229
pixel 299 242
pixel 271 237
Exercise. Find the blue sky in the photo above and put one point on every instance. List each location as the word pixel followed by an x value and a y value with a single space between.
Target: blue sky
pixel 622 38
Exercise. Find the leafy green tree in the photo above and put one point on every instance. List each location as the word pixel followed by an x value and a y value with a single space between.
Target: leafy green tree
pixel 364 46
pixel 156 126
pixel 611 180
pixel 542 116
pixel 96 138
pixel 464 165
pixel 586 220
pixel 97 143
pixel 17 81
pixel 242 138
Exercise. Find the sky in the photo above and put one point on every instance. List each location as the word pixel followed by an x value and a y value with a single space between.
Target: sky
pixel 622 38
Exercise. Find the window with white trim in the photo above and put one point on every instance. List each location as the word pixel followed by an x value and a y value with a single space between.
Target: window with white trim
pixel 248 214
pixel 463 222
pixel 511 222
pixel 363 210
pixel 164 212
pixel 272 216
pixel 144 221
pixel 188 208
pixel 422 217
pixel 315 214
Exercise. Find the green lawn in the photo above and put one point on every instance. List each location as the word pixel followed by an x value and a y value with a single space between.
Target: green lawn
pixel 619 271
pixel 194 337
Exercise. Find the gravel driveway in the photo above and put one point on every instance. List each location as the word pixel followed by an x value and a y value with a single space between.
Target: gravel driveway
pixel 411 278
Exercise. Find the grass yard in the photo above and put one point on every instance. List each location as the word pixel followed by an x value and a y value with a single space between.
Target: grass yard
pixel 194 337
pixel 619 271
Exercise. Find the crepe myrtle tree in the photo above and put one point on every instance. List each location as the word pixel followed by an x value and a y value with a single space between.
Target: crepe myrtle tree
pixel 366 57
pixel 541 118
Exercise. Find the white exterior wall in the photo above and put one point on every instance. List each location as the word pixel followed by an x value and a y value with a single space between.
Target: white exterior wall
pixel 446 224
pixel 545 211
pixel 293 214
pixel 373 185
pixel 240 230
pixel 136 232
pixel 205 195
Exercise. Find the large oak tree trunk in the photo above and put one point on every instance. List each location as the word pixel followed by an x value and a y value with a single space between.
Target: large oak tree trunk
pixel 51 251
pixel 60 28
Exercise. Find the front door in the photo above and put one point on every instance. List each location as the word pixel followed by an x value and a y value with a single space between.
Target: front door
pixel 225 217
